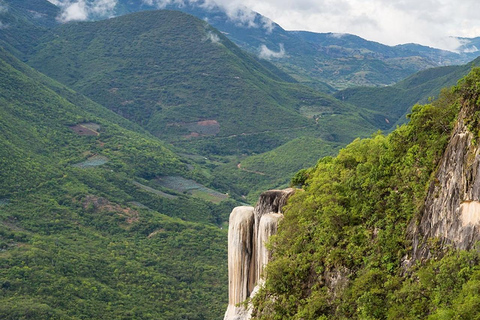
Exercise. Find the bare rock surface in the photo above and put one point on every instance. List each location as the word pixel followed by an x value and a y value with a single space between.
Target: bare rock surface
pixel 451 216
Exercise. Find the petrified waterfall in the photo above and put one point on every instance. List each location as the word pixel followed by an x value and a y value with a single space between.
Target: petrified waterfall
pixel 249 229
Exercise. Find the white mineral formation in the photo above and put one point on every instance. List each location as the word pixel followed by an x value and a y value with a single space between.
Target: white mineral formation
pixel 248 231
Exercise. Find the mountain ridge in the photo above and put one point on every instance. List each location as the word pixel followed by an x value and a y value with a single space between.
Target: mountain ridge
pixel 312 62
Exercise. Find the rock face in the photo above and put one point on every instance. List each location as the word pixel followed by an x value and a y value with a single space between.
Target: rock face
pixel 249 229
pixel 452 206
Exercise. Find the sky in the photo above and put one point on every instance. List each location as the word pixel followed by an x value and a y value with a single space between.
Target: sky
pixel 391 22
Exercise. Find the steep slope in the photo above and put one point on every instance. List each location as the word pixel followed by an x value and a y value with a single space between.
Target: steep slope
pixel 451 212
pixel 188 84
pixel 394 102
pixel 350 243
pixel 22 23
pixel 84 230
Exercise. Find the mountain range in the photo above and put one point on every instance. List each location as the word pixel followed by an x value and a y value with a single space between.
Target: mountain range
pixel 325 61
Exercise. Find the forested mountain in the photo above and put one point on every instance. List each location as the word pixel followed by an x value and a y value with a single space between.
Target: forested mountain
pixel 84 230
pixel 388 229
pixel 324 61
pixel 187 84
pixel 125 143
pixel 167 70
pixel 22 23
pixel 395 102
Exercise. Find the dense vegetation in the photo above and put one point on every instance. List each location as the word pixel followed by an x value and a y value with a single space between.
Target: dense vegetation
pixel 339 251
pixel 182 74
pixel 100 219
pixel 315 59
pixel 80 242
pixel 180 71
pixel 394 102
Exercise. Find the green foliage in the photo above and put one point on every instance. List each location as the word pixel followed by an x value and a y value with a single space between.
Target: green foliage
pixel 395 101
pixel 339 249
pixel 175 74
pixel 89 243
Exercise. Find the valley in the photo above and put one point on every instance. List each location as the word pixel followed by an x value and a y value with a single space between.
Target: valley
pixel 127 139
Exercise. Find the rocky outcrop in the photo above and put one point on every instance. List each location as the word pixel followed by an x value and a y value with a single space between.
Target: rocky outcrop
pixel 240 236
pixel 248 231
pixel 451 215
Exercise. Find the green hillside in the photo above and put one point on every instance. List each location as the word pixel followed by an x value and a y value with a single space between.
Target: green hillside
pixel 325 61
pixel 341 249
pixel 394 102
pixel 162 70
pixel 187 84
pixel 22 23
pixel 85 232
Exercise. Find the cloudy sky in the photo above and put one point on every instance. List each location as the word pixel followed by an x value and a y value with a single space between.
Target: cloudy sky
pixel 428 22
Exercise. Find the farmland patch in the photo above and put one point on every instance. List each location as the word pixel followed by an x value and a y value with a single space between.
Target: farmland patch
pixel 199 128
pixel 86 129
pixel 191 187
pixel 93 161
pixel 154 191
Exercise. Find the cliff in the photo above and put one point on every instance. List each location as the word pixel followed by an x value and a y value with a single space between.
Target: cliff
pixel 382 205
pixel 451 214
pixel 249 230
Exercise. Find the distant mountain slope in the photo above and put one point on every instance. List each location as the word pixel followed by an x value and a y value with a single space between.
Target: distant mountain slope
pixel 395 101
pixel 322 60
pixel 22 23
pixel 82 235
pixel 172 73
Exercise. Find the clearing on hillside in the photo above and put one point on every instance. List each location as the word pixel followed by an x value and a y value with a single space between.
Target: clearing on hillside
pixel 93 161
pixel 86 129
pixel 191 187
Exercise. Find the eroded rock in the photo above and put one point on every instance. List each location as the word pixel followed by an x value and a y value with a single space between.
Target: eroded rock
pixel 451 215
pixel 249 229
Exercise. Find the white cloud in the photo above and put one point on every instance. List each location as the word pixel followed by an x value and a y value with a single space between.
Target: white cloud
pixel 471 49
pixel 163 3
pixel 337 35
pixel 74 12
pixel 103 7
pixel 239 14
pixel 80 10
pixel 428 22
pixel 267 24
pixel 268 54
pixel 214 38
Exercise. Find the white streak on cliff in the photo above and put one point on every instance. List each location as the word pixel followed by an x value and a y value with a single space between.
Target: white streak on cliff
pixel 248 232
pixel 470 213
pixel 240 232
pixel 268 227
